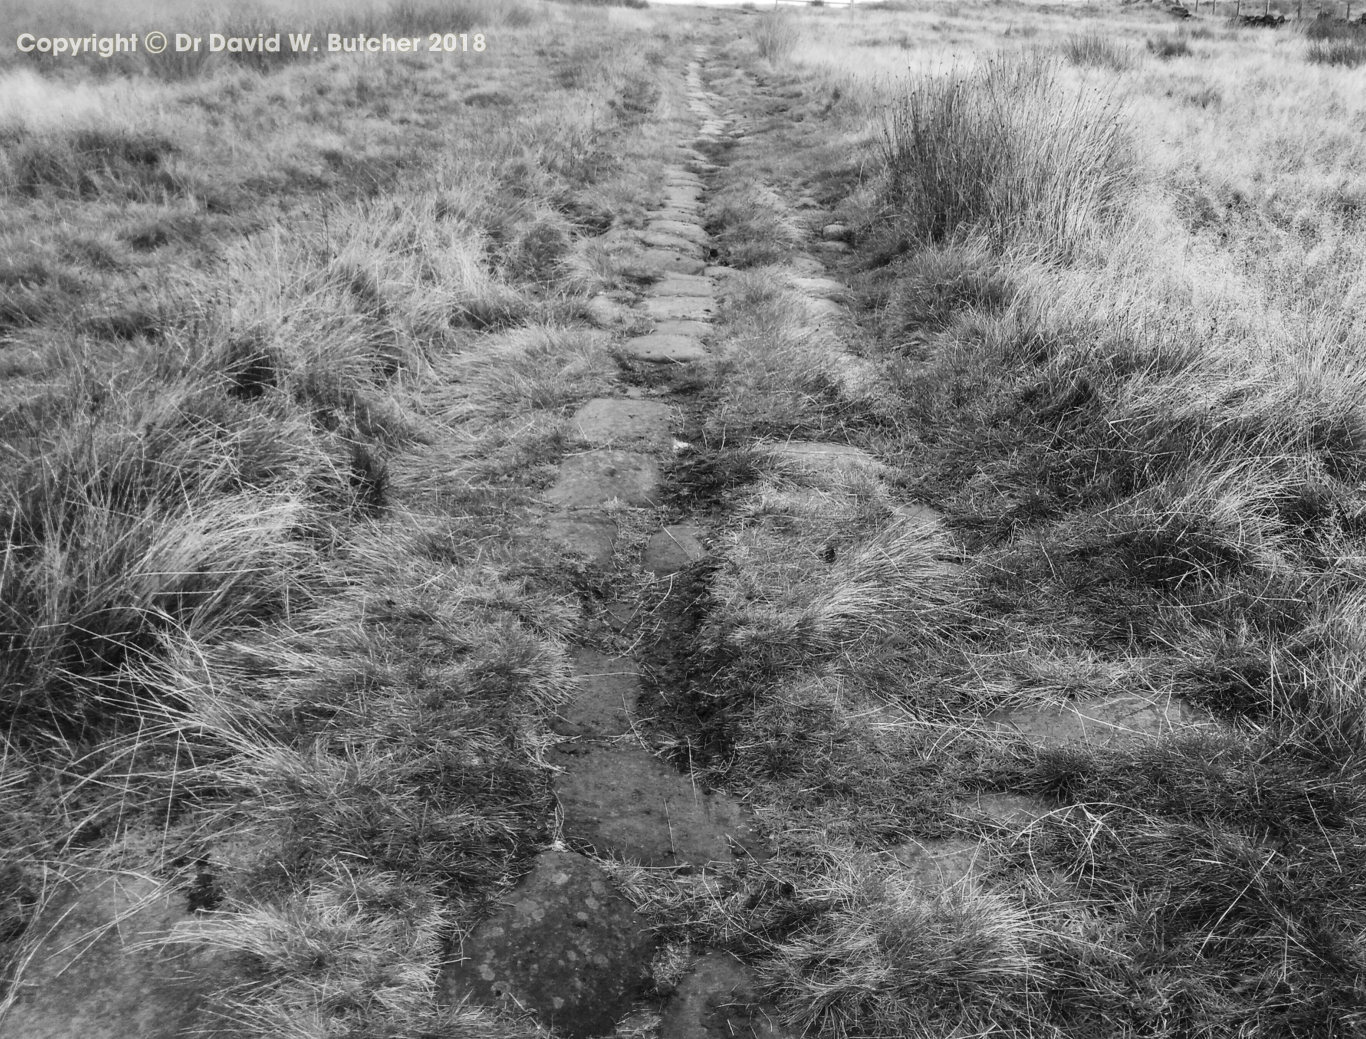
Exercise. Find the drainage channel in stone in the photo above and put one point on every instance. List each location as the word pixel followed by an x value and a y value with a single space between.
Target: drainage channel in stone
pixel 566 945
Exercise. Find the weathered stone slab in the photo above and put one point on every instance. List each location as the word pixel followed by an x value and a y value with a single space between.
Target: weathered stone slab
pixel 691 329
pixel 591 536
pixel 682 214
pixel 1016 810
pixel 567 946
pixel 693 232
pixel 684 285
pixel 1102 722
pixel 820 455
pixel 87 980
pixel 604 696
pixel 719 999
pixel 664 349
pixel 673 548
pixel 656 240
pixel 596 477
pixel 718 271
pixel 679 308
pixel 620 420
pixel 667 260
pixel 624 801
pixel 938 864
pixel 826 288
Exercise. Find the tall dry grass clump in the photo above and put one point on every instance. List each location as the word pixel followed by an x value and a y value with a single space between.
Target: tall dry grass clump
pixel 1094 49
pixel 1009 153
pixel 776 36
pixel 1336 43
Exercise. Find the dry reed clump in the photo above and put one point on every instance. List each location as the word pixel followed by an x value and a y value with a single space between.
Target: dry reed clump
pixel 1009 153
pixel 776 35
pixel 1335 43
pixel 1094 49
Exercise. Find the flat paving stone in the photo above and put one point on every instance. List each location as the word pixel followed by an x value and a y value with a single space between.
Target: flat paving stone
pixel 938 864
pixel 1113 719
pixel 673 548
pixel 692 329
pixel 667 241
pixel 624 801
pixel 680 229
pixel 665 349
pixel 596 477
pixel 719 999
pixel 682 215
pixel 679 308
pixel 684 285
pixel 604 696
pixel 821 455
pixel 86 979
pixel 592 536
pixel 619 420
pixel 567 946
pixel 826 288
pixel 658 261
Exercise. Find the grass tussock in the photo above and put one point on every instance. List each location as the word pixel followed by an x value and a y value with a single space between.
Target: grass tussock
pixel 1094 49
pixel 1335 43
pixel 776 35
pixel 1006 152
pixel 1170 45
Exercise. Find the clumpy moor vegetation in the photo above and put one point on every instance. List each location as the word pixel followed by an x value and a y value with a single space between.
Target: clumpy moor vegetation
pixel 287 354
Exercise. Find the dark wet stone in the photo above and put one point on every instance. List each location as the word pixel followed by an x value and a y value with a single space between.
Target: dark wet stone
pixel 719 999
pixel 664 349
pixel 592 536
pixel 671 549
pixel 619 420
pixel 604 696
pixel 86 982
pixel 567 947
pixel 624 801
pixel 597 477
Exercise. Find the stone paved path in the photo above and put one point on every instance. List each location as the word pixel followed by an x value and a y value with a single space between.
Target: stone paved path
pixel 565 945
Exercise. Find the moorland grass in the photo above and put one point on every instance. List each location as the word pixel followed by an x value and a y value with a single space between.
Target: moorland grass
pixel 277 388
pixel 1148 449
